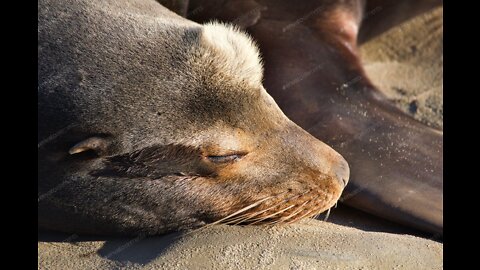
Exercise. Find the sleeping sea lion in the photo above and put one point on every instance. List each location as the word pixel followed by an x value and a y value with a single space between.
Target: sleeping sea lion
pixel 149 123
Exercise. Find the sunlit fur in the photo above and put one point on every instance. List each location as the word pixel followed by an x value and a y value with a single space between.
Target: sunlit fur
pixel 232 51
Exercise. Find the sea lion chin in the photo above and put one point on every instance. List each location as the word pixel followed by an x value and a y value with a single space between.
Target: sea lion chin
pixel 150 123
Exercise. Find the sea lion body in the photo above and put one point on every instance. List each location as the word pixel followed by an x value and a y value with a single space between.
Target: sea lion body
pixel 148 123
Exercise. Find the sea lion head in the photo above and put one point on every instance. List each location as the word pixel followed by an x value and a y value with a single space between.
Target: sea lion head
pixel 170 132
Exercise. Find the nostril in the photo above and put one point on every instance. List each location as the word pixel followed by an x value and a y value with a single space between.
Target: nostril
pixel 343 172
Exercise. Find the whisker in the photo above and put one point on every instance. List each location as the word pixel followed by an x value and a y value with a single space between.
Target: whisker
pixel 328 214
pixel 242 215
pixel 320 211
pixel 250 216
pixel 300 209
pixel 275 205
pixel 301 217
pixel 317 215
pixel 241 210
pixel 272 215
pixel 242 218
pixel 231 215
pixel 304 215
pixel 276 195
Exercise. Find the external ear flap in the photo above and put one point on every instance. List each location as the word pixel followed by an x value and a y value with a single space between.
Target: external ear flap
pixel 97 144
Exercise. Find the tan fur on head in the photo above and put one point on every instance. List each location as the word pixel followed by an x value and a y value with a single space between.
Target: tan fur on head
pixel 232 51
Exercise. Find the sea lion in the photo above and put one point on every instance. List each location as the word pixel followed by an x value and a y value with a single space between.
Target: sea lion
pixel 149 122
pixel 313 71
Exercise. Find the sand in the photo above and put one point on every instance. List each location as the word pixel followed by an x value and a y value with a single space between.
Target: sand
pixel 311 244
pixel 407 64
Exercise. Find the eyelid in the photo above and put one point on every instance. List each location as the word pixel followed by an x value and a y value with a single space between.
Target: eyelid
pixel 225 158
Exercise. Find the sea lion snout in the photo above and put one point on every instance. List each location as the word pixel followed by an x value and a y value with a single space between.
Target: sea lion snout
pixel 337 165
pixel 305 176
pixel 319 156
pixel 343 172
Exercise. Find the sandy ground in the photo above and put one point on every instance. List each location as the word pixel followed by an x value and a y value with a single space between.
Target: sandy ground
pixel 311 244
pixel 407 64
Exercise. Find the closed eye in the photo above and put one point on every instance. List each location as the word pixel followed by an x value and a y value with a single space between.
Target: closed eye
pixel 225 158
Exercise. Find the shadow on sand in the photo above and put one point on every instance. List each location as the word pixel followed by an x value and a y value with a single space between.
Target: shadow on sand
pixel 138 250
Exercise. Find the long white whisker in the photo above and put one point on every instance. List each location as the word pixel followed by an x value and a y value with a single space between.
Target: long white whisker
pixel 271 207
pixel 300 209
pixel 230 216
pixel 241 210
pixel 328 214
pixel 272 215
pixel 299 218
